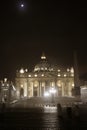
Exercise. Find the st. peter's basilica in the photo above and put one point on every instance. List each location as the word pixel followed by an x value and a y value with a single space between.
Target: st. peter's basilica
pixel 44 80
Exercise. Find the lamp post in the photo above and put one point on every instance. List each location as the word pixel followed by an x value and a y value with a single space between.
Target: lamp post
pixel 46 94
pixel 52 92
pixel 5 92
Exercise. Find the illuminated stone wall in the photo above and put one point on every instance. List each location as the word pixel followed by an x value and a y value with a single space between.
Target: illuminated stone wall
pixel 38 85
pixel 43 78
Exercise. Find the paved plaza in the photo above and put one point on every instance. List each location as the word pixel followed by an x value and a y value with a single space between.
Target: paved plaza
pixel 27 114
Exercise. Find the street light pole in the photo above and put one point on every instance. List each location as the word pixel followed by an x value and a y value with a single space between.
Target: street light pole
pixel 52 91
pixel 9 95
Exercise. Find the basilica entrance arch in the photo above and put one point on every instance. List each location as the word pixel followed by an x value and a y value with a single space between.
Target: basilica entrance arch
pixel 59 84
pixel 59 91
pixel 35 91
pixel 35 88
pixel 21 92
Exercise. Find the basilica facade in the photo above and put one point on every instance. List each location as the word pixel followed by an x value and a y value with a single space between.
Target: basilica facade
pixel 44 80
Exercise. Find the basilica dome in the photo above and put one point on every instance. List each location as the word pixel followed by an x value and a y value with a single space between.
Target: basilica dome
pixel 43 65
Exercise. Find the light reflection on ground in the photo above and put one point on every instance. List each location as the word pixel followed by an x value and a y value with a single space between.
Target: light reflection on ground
pixel 51 109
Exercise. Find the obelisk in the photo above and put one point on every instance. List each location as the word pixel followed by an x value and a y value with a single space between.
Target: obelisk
pixel 76 89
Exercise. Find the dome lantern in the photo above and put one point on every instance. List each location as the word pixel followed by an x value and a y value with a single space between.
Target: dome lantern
pixel 43 57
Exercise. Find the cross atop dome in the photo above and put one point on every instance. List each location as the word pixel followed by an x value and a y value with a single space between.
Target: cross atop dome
pixel 43 57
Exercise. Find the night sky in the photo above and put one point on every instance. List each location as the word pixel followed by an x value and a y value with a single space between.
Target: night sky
pixel 54 27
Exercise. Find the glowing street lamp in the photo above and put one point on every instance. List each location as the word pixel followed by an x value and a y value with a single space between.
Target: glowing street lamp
pixel 46 94
pixel 52 92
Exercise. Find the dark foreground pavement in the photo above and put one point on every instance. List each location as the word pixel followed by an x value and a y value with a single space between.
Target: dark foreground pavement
pixel 38 119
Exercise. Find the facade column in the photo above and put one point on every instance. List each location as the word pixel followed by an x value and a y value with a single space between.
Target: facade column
pixel 56 87
pixel 32 89
pixel 62 89
pixel 27 87
pixel 40 88
pixel 69 89
pixel 18 89
pixel 44 89
pixel 38 91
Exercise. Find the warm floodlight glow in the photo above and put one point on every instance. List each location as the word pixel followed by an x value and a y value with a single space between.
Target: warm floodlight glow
pixel 67 69
pixel 35 85
pixel 5 79
pixel 7 84
pixel 46 94
pixel 25 94
pixel 58 70
pixel 35 75
pixel 42 68
pixel 43 57
pixel 58 75
pixel 21 85
pixel 29 75
pixel 2 84
pixel 85 88
pixel 52 90
pixel 26 70
pixel 36 69
pixel 59 84
pixel 42 75
pixel 64 75
pixel 72 84
pixel 72 70
pixel 22 71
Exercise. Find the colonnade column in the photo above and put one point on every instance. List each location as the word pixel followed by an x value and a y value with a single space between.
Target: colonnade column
pixel 62 89
pixel 27 88
pixel 32 89
pixel 39 88
pixel 38 91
